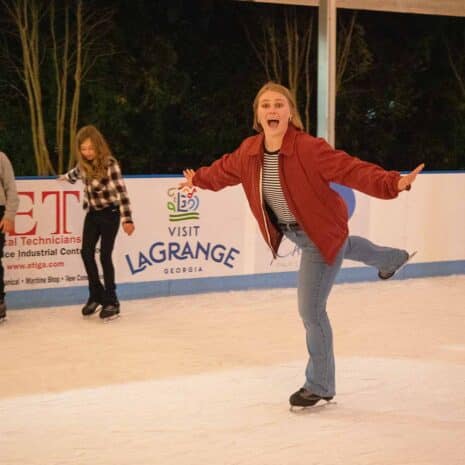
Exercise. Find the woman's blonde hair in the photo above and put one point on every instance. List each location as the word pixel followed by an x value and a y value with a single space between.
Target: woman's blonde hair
pixel 275 87
pixel 96 168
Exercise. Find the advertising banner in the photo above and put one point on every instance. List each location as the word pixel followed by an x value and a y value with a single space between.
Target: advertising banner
pixel 190 233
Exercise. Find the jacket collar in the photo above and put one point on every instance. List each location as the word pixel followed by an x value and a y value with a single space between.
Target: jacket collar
pixel 287 147
pixel 256 148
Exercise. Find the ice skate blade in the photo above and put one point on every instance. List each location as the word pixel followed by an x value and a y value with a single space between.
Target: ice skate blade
pixel 95 312
pixel 408 260
pixel 391 275
pixel 312 408
pixel 3 320
pixel 111 318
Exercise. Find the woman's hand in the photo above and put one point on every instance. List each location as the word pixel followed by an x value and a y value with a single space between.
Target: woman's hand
pixel 128 228
pixel 406 181
pixel 188 174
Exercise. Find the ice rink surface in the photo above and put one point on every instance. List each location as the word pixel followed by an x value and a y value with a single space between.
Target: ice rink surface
pixel 205 379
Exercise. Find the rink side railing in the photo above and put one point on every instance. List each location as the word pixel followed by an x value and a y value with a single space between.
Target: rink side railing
pixel 198 241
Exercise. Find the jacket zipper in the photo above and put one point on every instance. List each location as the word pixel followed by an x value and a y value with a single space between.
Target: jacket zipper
pixel 285 189
pixel 268 241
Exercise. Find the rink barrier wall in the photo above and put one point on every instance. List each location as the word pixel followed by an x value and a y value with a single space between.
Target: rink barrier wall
pixel 77 295
pixel 431 220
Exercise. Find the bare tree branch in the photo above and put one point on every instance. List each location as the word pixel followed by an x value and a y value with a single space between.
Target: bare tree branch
pixel 453 62
pixel 73 43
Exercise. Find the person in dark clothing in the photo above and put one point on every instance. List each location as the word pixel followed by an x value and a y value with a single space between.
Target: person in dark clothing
pixel 9 202
pixel 107 203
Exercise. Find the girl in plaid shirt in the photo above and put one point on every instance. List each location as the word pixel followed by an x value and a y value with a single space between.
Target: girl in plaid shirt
pixel 107 203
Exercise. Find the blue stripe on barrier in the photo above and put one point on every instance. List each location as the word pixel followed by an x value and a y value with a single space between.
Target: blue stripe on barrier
pixel 77 295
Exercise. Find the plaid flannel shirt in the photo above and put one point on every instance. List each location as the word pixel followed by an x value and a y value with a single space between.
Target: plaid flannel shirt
pixel 102 193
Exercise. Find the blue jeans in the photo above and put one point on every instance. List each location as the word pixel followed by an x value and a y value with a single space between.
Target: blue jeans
pixel 315 280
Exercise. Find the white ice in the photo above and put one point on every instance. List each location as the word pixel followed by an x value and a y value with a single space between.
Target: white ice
pixel 205 379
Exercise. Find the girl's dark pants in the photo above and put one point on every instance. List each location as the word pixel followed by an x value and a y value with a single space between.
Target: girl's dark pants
pixel 103 225
pixel 2 244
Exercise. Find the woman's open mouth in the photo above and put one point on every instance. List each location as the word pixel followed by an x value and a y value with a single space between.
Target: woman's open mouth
pixel 273 123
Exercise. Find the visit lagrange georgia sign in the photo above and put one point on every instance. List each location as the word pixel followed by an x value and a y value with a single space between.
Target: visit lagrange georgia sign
pixel 186 245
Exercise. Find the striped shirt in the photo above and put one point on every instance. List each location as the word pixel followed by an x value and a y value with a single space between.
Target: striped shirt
pixel 272 190
pixel 105 192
